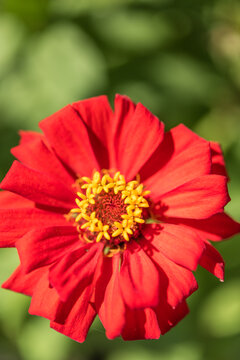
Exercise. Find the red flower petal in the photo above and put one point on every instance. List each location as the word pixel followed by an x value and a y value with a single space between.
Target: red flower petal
pixel 169 317
pixel 181 157
pixel 9 200
pixel 78 317
pixel 124 109
pixel 37 187
pixel 45 300
pixel 213 262
pixel 176 282
pixel 97 115
pixel 108 298
pixel 199 198
pixel 29 136
pixel 23 283
pixel 218 163
pixel 178 243
pixel 75 270
pixel 216 228
pixel 14 223
pixel 139 279
pixel 143 133
pixel 140 325
pixel 36 155
pixel 44 246
pixel 68 136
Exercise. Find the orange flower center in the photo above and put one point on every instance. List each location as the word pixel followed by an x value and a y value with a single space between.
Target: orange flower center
pixel 109 209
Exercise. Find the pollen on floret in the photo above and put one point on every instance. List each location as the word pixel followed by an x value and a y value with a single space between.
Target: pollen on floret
pixel 109 209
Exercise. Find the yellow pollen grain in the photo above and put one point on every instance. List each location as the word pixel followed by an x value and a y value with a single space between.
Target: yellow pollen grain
pixel 132 194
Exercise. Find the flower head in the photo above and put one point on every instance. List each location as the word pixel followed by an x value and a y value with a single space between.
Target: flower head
pixel 110 216
pixel 110 210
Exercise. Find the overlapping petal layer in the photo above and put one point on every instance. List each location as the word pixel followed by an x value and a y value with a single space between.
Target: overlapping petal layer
pixel 68 136
pixel 38 187
pixel 181 157
pixel 134 125
pixel 15 223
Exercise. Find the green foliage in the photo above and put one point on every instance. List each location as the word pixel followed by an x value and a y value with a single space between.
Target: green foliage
pixel 179 58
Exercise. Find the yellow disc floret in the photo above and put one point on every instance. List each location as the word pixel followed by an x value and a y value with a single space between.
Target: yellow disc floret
pixel 109 207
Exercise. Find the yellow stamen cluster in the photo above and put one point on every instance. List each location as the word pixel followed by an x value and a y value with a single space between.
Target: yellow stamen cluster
pixel 132 196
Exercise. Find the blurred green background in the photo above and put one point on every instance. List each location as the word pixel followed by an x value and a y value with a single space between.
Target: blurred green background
pixel 181 59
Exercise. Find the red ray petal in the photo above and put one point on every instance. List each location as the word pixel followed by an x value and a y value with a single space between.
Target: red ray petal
pixel 218 163
pixel 9 200
pixel 141 325
pixel 213 261
pixel 178 243
pixel 44 246
pixel 45 300
pixel 181 157
pixel 216 228
pixel 108 298
pixel 139 278
pixel 169 317
pixel 24 283
pixel 176 282
pixel 29 136
pixel 37 187
pixel 15 223
pixel 197 199
pixel 76 317
pixel 97 115
pixel 68 136
pixel 75 270
pixel 135 139
pixel 36 155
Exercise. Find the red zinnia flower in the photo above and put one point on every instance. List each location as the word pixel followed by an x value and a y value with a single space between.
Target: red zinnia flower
pixel 110 215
